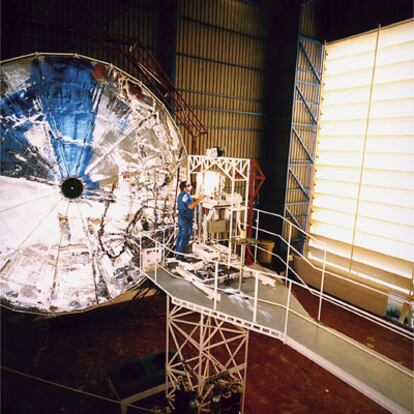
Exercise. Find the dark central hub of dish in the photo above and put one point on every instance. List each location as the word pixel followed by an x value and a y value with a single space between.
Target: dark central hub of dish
pixel 72 187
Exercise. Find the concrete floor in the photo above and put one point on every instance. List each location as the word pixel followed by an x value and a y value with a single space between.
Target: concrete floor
pixel 77 350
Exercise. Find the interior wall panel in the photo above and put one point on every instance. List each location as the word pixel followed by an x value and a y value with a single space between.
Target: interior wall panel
pixel 220 72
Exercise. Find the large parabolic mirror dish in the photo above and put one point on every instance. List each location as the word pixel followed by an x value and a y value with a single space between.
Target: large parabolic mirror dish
pixel 89 163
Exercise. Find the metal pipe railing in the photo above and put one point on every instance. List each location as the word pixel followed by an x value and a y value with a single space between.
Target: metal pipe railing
pixel 336 275
pixel 319 293
pixel 285 335
pixel 322 286
pixel 289 310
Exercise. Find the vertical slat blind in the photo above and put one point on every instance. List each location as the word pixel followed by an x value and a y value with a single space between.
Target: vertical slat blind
pixel 363 194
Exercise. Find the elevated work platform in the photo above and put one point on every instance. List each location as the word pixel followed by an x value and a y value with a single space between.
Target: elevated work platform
pixel 274 311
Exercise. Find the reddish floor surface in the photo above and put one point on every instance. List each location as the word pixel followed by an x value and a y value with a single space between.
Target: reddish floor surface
pixel 77 351
pixel 280 380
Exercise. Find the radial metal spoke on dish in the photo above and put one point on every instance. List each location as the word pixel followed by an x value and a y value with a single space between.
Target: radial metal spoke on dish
pixel 54 127
pixel 119 142
pixel 95 107
pixel 55 281
pixel 91 251
pixel 17 249
pixel 25 203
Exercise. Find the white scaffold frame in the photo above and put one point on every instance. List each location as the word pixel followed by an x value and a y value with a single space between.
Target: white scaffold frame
pixel 205 349
pixel 237 170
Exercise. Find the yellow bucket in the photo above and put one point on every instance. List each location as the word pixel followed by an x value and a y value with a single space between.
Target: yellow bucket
pixel 265 256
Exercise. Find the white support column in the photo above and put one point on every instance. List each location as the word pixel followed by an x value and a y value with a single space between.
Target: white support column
pixel 257 221
pixel 288 252
pixel 256 295
pixel 231 229
pixel 246 355
pixel 285 329
pixel 215 284
pixel 167 347
pixel 246 197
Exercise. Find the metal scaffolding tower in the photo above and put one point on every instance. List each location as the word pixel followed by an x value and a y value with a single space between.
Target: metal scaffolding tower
pixel 204 352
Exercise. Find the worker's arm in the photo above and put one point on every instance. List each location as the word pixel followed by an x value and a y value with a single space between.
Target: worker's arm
pixel 196 202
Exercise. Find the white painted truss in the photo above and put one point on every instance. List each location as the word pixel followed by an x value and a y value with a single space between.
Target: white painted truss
pixel 206 351
pixel 239 168
pixel 225 208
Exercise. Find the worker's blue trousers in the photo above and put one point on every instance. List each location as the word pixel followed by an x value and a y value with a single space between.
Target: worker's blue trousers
pixel 185 228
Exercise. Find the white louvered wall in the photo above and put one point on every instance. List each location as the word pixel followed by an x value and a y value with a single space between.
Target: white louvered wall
pixel 363 193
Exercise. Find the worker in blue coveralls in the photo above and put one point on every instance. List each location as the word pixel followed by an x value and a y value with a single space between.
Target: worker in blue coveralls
pixel 185 206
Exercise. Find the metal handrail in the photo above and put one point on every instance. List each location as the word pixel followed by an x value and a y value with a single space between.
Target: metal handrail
pixel 256 300
pixel 319 293
pixel 324 249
